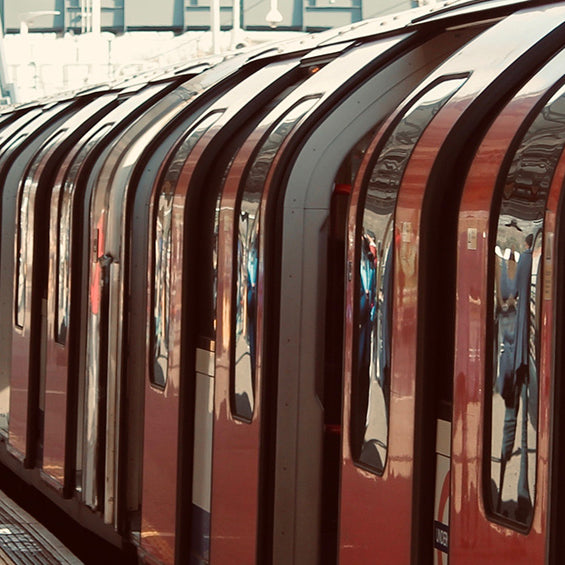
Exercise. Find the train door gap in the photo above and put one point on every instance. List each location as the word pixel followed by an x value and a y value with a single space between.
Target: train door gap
pixel 332 386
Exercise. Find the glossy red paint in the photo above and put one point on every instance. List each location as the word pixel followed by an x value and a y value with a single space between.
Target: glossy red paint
pixel 57 355
pixel 376 511
pixel 235 443
pixel 160 469
pixel 30 270
pixel 161 417
pixel 161 414
pixel 472 532
pixel 24 317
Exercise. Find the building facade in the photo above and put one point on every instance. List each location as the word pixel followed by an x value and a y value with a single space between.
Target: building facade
pixel 179 16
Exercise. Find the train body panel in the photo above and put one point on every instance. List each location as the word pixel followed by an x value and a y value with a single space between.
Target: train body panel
pixel 60 390
pixel 17 151
pixel 494 502
pixel 299 304
pixel 30 269
pixel 178 196
pixel 455 101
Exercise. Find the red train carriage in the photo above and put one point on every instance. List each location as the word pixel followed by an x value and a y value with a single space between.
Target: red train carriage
pixel 299 304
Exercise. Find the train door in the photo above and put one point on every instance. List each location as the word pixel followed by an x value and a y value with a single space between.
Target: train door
pixel 396 428
pixel 502 404
pixel 60 391
pixel 20 142
pixel 30 268
pixel 109 414
pixel 273 396
pixel 182 324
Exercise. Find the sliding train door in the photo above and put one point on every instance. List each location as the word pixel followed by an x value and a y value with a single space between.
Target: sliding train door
pixel 553 284
pixel 400 299
pixel 275 206
pixel 30 267
pixel 19 141
pixel 110 392
pixel 503 414
pixel 59 394
pixel 180 374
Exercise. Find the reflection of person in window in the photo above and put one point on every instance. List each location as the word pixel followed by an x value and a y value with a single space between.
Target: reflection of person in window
pixel 518 289
pixel 383 376
pixel 506 318
pixel 367 308
pixel 252 303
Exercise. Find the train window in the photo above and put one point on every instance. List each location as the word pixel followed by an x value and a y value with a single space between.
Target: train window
pixel 244 350
pixel 162 251
pixel 63 263
pixel 25 230
pixel 371 385
pixel 22 255
pixel 516 259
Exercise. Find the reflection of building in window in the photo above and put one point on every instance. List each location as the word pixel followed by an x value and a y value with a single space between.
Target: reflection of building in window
pixel 162 291
pixel 23 228
pixel 64 230
pixel 162 251
pixel 63 267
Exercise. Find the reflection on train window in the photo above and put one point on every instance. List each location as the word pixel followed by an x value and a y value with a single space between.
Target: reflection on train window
pixel 244 366
pixel 516 306
pixel 25 231
pixel 63 263
pixel 371 386
pixel 22 254
pixel 162 252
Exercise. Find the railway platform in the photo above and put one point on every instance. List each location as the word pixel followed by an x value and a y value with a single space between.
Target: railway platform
pixel 24 541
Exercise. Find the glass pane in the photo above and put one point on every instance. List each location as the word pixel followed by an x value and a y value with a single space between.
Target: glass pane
pixel 23 229
pixel 163 244
pixel 24 235
pixel 162 251
pixel 64 227
pixel 517 301
pixel 371 386
pixel 247 257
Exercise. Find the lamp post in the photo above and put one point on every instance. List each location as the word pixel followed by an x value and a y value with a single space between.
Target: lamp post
pixel 236 28
pixel 215 25
pixel 274 17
